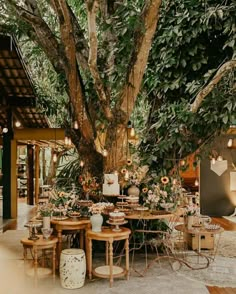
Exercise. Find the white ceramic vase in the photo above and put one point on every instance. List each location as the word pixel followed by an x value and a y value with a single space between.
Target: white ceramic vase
pixel 46 222
pixel 190 219
pixel 96 222
pixel 133 190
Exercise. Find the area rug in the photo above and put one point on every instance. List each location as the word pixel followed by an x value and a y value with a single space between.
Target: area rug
pixel 230 218
pixel 221 272
pixel 227 244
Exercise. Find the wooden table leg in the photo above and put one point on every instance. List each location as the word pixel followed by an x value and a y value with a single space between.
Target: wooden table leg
pixel 59 245
pixel 54 261
pixel 127 258
pixel 111 261
pixel 90 258
pixel 107 253
pixel 81 239
pixel 35 252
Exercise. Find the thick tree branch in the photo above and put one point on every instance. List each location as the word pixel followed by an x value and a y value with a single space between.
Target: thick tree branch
pixel 44 35
pixel 150 16
pixel 72 71
pixel 217 77
pixel 92 7
pixel 82 50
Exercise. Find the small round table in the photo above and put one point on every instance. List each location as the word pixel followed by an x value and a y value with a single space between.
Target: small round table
pixel 37 245
pixel 70 225
pixel 109 270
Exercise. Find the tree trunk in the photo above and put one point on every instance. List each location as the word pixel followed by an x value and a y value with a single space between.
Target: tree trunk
pixel 117 147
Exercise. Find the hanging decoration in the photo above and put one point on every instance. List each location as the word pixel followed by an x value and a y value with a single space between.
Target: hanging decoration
pixel 219 167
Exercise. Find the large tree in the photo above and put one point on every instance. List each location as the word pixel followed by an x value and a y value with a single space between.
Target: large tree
pixel 100 50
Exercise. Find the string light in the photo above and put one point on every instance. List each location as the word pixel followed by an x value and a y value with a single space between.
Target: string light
pixel 174 182
pixel 5 130
pixel 54 158
pixel 230 143
pixel 219 158
pixel 81 163
pixel 196 183
pixel 76 125
pixel 116 173
pixel 126 177
pixel 132 132
pixel 104 152
pixel 66 140
pixel 182 162
pixel 17 124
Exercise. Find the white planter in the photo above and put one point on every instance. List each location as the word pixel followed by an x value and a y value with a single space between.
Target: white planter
pixel 72 268
pixel 96 222
pixel 46 222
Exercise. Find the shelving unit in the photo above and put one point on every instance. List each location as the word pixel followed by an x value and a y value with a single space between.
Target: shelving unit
pixel 21 176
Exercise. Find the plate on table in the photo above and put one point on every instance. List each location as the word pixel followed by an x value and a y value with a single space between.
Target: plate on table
pixel 60 217
pixel 160 212
pixel 212 227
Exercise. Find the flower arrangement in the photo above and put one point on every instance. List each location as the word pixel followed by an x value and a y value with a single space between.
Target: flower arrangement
pixel 46 209
pixel 90 185
pixel 132 175
pixel 162 191
pixel 60 198
pixel 191 209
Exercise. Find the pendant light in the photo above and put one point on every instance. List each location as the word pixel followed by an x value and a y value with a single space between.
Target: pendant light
pixel 230 143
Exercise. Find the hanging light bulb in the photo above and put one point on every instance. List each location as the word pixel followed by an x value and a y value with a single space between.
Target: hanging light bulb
pixel 81 163
pixel 104 153
pixel 76 125
pixel 116 173
pixel 230 143
pixel 54 158
pixel 182 162
pixel 5 130
pixel 219 158
pixel 132 132
pixel 196 183
pixel 213 160
pixel 126 177
pixel 66 140
pixel 17 124
pixel 174 182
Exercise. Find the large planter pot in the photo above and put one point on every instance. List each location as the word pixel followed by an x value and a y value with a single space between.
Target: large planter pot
pixel 96 222
pixel 133 190
pixel 46 222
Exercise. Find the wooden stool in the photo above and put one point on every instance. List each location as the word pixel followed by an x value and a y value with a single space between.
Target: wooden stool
pixel 40 244
pixel 109 270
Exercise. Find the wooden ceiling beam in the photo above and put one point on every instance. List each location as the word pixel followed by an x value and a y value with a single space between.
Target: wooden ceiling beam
pixel 39 134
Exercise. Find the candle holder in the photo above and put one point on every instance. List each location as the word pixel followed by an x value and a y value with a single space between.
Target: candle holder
pixel 32 230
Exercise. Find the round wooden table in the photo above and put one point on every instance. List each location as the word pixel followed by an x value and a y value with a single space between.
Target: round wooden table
pixel 109 270
pixel 40 244
pixel 70 224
